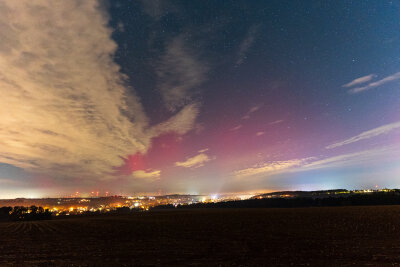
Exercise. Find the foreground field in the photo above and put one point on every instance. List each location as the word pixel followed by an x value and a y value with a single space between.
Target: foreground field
pixel 231 237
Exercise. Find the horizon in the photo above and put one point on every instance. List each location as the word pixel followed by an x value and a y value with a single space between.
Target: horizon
pixel 199 97
pixel 89 195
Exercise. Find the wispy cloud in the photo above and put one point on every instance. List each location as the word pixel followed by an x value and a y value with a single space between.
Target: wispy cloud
pixel 181 123
pixel 360 158
pixel 275 122
pixel 147 174
pixel 194 162
pixel 65 109
pixel 372 85
pixel 360 80
pixel 251 111
pixel 367 134
pixel 354 159
pixel 180 73
pixel 236 127
pixel 246 44
pixel 270 167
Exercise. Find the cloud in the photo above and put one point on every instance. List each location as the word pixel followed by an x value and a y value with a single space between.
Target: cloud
pixel 360 80
pixel 372 85
pixel 275 122
pixel 237 127
pixel 254 109
pixel 354 159
pixel 65 108
pixel 181 123
pixel 203 150
pixel 260 133
pixel 251 111
pixel 270 167
pixel 360 158
pixel 246 44
pixel 147 175
pixel 180 73
pixel 194 162
pixel 367 134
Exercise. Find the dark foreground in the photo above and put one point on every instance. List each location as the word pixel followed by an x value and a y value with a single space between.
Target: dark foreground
pixel 339 236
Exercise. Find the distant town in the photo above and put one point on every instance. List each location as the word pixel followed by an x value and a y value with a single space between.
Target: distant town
pixel 78 205
pixel 121 204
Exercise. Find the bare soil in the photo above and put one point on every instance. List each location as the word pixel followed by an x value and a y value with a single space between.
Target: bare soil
pixel 342 236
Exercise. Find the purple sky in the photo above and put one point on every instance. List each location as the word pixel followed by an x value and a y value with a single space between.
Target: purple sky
pixel 198 96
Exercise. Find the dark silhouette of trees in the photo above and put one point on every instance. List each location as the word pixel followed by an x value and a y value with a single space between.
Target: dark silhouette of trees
pixel 123 210
pixel 377 198
pixel 20 213
pixel 33 209
pixel 5 213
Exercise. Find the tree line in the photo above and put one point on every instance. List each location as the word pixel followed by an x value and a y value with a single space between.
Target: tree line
pixel 372 199
pixel 20 213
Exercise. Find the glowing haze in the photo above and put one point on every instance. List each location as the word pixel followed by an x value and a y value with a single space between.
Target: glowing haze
pixel 198 96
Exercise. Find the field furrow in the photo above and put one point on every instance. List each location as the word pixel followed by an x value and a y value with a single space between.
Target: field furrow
pixel 326 236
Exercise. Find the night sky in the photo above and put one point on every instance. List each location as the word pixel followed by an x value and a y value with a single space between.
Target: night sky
pixel 146 97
